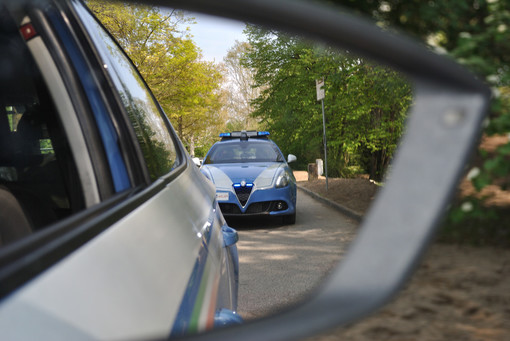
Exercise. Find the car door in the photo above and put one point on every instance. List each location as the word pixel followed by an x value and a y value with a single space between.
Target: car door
pixel 142 252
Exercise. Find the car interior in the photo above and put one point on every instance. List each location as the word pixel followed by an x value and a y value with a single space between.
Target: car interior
pixel 37 180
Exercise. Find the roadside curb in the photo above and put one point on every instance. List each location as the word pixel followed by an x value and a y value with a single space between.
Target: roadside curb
pixel 340 208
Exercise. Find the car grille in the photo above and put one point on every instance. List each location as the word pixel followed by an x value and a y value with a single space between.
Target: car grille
pixel 259 207
pixel 230 209
pixel 255 208
pixel 243 193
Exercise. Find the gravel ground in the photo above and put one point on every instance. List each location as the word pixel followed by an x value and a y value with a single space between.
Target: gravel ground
pixel 458 292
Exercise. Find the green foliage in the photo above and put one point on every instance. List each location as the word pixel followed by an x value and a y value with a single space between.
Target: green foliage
pixel 477 34
pixel 188 89
pixel 468 222
pixel 365 104
pixel 159 156
pixel 202 150
pixel 46 146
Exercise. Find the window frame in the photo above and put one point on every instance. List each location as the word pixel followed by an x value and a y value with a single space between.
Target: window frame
pixel 127 135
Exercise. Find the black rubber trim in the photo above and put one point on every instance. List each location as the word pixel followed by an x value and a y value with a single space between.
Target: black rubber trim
pixel 241 215
pixel 78 98
pixel 131 152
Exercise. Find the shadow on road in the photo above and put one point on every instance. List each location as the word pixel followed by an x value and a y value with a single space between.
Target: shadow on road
pixel 255 222
pixel 280 265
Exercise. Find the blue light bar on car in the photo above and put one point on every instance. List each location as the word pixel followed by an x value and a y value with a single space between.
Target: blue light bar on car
pixel 244 135
pixel 238 185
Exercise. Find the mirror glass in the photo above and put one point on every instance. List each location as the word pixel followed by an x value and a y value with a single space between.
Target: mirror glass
pixel 340 115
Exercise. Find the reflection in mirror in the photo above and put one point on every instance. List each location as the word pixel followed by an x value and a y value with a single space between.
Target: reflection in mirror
pixel 362 108
pixel 299 91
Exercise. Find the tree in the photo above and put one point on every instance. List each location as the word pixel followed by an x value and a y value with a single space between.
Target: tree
pixel 239 83
pixel 365 104
pixel 188 89
pixel 477 34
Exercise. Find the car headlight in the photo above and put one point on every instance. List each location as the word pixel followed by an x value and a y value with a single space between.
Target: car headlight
pixel 282 180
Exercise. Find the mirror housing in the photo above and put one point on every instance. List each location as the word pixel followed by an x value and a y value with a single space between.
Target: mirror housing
pixel 291 158
pixel 443 129
pixel 196 161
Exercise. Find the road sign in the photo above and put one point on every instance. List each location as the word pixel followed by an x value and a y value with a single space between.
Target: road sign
pixel 319 83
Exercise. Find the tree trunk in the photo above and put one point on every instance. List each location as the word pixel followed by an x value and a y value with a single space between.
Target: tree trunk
pixel 377 165
pixel 192 146
pixel 179 127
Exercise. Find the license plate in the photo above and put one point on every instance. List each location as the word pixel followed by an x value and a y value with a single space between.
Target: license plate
pixel 222 196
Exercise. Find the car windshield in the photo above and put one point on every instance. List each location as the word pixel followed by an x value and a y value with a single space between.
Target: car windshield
pixel 244 151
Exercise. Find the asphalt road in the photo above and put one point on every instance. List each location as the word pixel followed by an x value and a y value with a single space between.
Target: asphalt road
pixel 281 264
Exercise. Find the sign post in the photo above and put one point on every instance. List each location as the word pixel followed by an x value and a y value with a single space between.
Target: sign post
pixel 319 83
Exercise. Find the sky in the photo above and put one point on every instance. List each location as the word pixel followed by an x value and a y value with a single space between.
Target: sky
pixel 215 36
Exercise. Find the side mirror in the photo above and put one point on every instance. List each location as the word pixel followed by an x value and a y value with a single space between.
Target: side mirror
pixel 291 158
pixel 196 161
pixel 442 130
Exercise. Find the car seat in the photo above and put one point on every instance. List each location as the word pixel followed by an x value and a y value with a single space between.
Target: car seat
pixel 14 224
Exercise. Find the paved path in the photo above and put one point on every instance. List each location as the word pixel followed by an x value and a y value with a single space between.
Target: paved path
pixel 280 265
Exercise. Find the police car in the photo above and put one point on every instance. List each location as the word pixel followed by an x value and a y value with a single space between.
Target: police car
pixel 251 176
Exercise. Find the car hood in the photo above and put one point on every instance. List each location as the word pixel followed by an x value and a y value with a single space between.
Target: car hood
pixel 260 174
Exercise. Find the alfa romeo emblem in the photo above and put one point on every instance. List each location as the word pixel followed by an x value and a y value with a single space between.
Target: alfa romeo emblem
pixel 243 183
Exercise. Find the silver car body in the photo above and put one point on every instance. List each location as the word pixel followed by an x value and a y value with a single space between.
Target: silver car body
pixel 144 255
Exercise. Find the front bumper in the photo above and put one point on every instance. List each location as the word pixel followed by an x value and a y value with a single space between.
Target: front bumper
pixel 273 201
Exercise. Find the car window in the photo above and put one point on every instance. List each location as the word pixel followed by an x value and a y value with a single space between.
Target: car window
pixel 38 179
pixel 150 126
pixel 243 152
